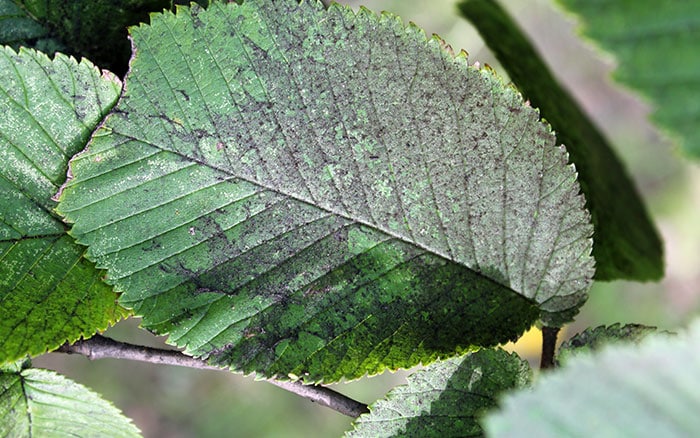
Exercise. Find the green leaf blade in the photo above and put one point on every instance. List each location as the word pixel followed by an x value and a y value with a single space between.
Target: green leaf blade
pixel 445 399
pixel 627 244
pixel 49 292
pixel 636 34
pixel 36 402
pixel 276 204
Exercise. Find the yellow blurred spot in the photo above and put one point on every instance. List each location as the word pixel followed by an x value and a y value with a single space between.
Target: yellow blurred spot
pixel 529 346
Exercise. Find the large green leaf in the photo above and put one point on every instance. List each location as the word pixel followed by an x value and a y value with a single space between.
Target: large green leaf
pixel 656 46
pixel 325 194
pixel 446 398
pixel 41 403
pixel 93 29
pixel 626 243
pixel 49 293
pixel 649 390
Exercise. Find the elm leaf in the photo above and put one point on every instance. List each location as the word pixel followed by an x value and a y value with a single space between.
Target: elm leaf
pixel 324 194
pixel 49 292
pixel 35 402
pixel 446 398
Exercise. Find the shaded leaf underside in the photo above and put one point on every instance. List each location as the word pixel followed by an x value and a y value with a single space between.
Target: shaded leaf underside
pixel 325 194
pixel 626 243
pixel 656 46
pixel 446 398
pixel 41 403
pixel 49 293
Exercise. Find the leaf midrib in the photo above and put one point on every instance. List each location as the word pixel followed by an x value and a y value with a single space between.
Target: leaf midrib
pixel 329 210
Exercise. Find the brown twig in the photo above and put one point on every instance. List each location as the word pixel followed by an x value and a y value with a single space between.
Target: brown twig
pixel 100 347
pixel 549 345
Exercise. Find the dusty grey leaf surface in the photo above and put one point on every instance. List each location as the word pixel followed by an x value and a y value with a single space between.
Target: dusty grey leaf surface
pixel 302 192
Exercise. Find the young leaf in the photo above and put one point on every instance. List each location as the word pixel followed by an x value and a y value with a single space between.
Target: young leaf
pixel 290 190
pixel 95 30
pixel 36 402
pixel 626 243
pixel 646 390
pixel 592 339
pixel 49 293
pixel 446 398
pixel 656 45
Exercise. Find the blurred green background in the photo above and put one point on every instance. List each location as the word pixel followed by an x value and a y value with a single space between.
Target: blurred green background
pixel 172 402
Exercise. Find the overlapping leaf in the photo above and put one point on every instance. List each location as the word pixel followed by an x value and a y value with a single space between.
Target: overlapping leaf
pixel 656 46
pixel 49 293
pixel 41 403
pixel 325 194
pixel 626 243
pixel 646 390
pixel 447 398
